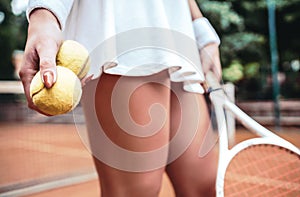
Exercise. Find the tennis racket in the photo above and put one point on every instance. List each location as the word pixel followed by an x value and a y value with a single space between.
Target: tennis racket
pixel 264 166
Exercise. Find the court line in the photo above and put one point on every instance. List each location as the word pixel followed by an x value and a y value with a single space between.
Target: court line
pixel 54 184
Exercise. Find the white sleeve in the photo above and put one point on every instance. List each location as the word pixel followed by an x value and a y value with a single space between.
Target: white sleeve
pixel 60 8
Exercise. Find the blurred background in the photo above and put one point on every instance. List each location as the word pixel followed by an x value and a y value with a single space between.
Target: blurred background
pixel 260 53
pixel 245 52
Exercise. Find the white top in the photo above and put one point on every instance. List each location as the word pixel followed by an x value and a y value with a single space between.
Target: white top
pixel 141 37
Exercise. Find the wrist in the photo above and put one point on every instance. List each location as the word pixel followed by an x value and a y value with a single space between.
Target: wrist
pixel 205 34
pixel 43 16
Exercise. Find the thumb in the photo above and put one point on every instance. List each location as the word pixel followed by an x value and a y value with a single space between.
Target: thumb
pixel 47 63
pixel 49 77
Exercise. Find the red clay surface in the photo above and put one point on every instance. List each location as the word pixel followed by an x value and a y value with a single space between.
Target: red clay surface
pixel 35 153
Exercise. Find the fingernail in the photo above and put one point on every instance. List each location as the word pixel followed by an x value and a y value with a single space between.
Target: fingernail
pixel 48 79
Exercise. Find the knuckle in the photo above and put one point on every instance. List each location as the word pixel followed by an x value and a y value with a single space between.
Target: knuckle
pixel 46 62
pixel 46 44
pixel 21 73
pixel 26 72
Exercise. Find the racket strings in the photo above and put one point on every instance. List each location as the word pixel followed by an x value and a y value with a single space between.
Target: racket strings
pixel 262 163
pixel 244 175
pixel 261 187
pixel 263 169
pixel 280 166
pixel 265 182
pixel 250 160
pixel 264 177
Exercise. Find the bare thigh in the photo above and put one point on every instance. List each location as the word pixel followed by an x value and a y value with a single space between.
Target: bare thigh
pixel 134 115
pixel 191 174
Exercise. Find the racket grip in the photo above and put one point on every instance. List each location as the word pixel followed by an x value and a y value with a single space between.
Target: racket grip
pixel 212 82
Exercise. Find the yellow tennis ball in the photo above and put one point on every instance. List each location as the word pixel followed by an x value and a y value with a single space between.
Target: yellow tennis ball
pixel 62 97
pixel 74 56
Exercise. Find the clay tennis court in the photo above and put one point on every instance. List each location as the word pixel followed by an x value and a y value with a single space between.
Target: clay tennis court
pixel 50 160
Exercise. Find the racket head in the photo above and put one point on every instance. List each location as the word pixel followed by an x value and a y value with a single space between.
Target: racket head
pixel 261 167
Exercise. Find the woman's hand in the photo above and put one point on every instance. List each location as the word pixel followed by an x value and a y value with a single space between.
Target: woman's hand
pixel 209 54
pixel 43 41
pixel 210 60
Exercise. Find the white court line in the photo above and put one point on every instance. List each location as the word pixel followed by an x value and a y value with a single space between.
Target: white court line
pixel 11 87
pixel 55 184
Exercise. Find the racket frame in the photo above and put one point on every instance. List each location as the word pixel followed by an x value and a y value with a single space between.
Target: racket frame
pixel 221 102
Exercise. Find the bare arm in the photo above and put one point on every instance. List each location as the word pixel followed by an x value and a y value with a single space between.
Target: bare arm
pixel 195 11
pixel 210 56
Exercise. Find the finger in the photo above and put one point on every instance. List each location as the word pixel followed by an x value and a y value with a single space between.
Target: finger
pixel 210 60
pixel 27 72
pixel 47 55
pixel 49 77
pixel 85 80
pixel 26 75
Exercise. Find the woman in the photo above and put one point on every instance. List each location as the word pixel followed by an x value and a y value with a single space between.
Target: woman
pixel 143 88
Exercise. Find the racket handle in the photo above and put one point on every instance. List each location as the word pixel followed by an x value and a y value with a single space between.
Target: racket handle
pixel 212 82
